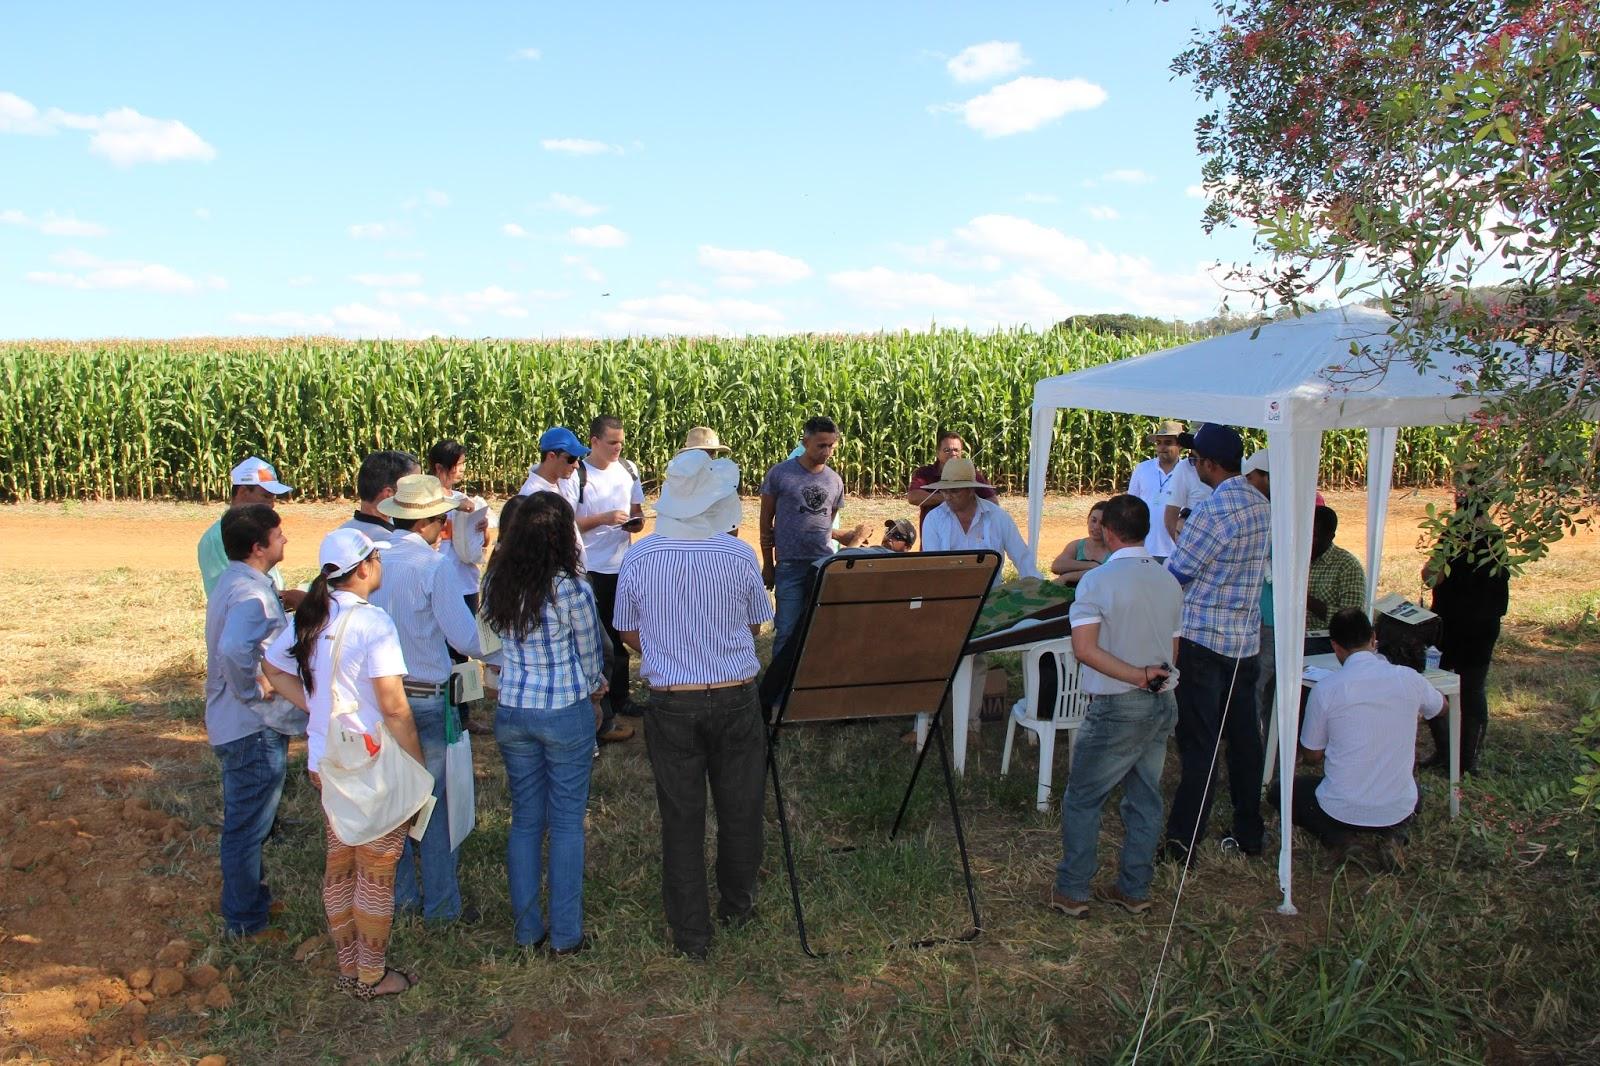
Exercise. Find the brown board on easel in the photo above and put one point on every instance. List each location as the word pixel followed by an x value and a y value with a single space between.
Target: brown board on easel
pixel 885 633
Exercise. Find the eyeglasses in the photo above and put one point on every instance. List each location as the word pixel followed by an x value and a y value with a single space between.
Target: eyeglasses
pixel 572 460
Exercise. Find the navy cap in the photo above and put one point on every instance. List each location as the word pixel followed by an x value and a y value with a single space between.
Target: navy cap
pixel 562 439
pixel 1221 444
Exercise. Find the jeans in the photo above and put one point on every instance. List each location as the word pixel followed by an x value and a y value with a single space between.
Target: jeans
pixel 1206 715
pixel 605 598
pixel 1266 676
pixel 439 898
pixel 791 587
pixel 694 737
pixel 1123 740
pixel 252 784
pixel 548 756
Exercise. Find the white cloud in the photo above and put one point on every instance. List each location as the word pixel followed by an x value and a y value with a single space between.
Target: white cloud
pixel 1127 176
pixel 941 253
pixel 388 281
pixel 19 116
pixel 1025 104
pixel 404 255
pixel 203 214
pixel 1196 192
pixel 373 231
pixel 579 146
pixel 572 205
pixel 512 312
pixel 748 269
pixel 511 229
pixel 1102 213
pixel 917 299
pixel 298 321
pixel 1040 198
pixel 122 135
pixel 686 315
pixel 89 272
pixel 364 320
pixel 986 61
pixel 53 225
pixel 528 54
pixel 601 236
pixel 586 270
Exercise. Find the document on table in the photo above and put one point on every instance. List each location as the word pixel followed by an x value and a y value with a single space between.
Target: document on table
pixel 1315 674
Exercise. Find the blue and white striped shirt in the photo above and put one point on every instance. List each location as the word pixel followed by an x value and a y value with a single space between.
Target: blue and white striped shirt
pixel 1221 561
pixel 693 603
pixel 560 662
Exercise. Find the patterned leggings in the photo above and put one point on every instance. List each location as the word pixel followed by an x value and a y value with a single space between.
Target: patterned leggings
pixel 358 894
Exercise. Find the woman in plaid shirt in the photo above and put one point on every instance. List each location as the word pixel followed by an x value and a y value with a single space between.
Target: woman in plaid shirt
pixel 551 682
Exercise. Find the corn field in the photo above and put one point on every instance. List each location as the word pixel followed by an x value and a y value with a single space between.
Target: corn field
pixel 144 420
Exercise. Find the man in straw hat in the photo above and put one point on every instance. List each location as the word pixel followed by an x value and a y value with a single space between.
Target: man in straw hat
pixel 690 600
pixel 705 439
pixel 421 593
pixel 1152 482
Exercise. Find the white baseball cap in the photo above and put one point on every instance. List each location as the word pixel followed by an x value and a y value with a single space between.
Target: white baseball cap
pixel 259 473
pixel 345 549
pixel 1257 461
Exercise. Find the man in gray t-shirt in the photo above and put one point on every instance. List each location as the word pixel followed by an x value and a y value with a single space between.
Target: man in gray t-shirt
pixel 1126 618
pixel 799 498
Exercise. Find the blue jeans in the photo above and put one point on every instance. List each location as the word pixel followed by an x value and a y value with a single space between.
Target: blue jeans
pixel 439 898
pixel 790 587
pixel 1123 740
pixel 548 755
pixel 252 784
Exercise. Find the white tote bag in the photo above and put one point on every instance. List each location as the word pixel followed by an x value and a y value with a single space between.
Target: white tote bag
pixel 366 794
pixel 460 790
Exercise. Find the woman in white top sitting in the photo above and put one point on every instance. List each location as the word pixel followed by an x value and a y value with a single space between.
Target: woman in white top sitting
pixel 358 885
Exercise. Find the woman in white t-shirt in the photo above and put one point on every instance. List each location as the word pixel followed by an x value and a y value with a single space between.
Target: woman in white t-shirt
pixel 358 884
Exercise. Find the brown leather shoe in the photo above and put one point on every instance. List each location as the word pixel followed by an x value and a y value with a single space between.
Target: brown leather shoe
pixel 1114 895
pixel 619 731
pixel 1072 908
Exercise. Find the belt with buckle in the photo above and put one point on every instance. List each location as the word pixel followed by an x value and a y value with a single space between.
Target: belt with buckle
pixel 422 688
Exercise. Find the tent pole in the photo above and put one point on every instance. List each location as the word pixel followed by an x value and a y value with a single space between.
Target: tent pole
pixel 1380 476
pixel 1043 429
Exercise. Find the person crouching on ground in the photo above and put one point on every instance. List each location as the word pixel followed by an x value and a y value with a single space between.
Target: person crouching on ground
pixel 1361 725
pixel 551 681
pixel 342 648
pixel 690 600
pixel 1126 618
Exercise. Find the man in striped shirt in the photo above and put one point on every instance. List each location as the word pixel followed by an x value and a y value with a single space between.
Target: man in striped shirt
pixel 690 601
pixel 422 594
pixel 1221 561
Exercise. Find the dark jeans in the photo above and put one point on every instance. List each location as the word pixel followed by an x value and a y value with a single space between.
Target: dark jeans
pixel 1309 815
pixel 437 895
pixel 252 784
pixel 693 738
pixel 1205 714
pixel 605 598
pixel 1469 658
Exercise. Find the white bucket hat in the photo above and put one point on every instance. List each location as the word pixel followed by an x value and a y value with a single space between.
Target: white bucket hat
pixel 419 496
pixel 345 549
pixel 700 497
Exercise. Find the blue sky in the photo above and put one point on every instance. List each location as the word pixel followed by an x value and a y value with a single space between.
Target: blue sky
pixel 541 170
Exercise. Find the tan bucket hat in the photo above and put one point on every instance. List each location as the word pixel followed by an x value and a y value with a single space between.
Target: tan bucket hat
pixel 705 439
pixel 1170 428
pixel 958 473
pixel 419 496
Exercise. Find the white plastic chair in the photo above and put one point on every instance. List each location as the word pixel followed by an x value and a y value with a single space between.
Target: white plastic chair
pixel 1071 705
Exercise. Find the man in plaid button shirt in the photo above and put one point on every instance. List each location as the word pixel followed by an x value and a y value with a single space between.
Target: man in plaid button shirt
pixel 1337 579
pixel 1220 560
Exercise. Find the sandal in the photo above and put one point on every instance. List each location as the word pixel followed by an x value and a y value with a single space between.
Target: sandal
pixel 345 983
pixel 367 993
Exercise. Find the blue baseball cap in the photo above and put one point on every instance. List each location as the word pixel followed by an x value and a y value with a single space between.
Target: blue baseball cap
pixel 1221 444
pixel 562 439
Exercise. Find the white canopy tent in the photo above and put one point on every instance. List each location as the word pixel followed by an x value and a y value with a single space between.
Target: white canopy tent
pixel 1296 379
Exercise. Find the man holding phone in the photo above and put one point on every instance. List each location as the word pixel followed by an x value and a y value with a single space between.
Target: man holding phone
pixel 1126 619
pixel 610 510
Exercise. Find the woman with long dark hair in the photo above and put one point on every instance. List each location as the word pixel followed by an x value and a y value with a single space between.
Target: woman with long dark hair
pixel 551 681
pixel 342 649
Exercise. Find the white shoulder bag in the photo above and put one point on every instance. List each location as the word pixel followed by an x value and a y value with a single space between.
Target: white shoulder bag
pixel 368 794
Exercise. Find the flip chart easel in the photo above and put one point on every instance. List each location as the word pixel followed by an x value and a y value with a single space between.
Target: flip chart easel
pixel 882 637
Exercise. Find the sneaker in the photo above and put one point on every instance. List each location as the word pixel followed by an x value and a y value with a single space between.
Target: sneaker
pixel 1072 908
pixel 581 946
pixel 619 731
pixel 1114 895
pixel 1231 846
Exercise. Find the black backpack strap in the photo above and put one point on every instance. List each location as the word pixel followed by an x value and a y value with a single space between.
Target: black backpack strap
pixel 583 478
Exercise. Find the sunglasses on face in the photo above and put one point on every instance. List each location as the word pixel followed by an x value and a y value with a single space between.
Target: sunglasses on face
pixel 572 460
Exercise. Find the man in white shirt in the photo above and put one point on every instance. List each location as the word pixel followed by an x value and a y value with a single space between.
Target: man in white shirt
pixel 420 592
pixel 1186 491
pixel 1126 619
pixel 1152 482
pixel 1361 724
pixel 610 510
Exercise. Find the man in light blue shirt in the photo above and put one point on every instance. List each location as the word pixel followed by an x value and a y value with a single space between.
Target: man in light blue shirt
pixel 421 593
pixel 254 481
pixel 248 726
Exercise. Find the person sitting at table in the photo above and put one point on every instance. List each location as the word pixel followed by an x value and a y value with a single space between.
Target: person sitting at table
pixel 1084 554
pixel 1336 579
pixel 1361 725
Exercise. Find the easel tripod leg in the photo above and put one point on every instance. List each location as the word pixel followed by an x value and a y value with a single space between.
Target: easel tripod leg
pixel 788 848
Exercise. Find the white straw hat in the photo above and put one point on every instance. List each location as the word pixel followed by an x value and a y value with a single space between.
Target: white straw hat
pixel 957 473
